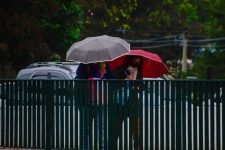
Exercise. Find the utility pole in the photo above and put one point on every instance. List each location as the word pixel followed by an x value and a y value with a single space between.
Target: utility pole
pixel 184 57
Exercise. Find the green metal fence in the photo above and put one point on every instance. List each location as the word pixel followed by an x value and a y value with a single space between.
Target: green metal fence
pixel 112 114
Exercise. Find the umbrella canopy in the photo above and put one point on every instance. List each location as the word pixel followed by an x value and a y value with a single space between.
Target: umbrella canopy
pixel 97 49
pixel 152 66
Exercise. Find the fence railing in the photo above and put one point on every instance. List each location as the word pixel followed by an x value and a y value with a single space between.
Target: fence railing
pixel 112 114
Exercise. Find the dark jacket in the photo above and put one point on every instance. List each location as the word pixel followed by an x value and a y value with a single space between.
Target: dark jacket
pixel 85 71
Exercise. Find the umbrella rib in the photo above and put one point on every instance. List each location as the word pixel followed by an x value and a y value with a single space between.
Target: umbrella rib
pixel 105 48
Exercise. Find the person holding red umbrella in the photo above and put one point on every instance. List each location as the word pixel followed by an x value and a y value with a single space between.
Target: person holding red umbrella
pixel 131 69
pixel 134 66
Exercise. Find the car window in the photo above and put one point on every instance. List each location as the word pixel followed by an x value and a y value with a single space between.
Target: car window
pixel 25 76
pixel 57 75
pixel 55 78
pixel 40 77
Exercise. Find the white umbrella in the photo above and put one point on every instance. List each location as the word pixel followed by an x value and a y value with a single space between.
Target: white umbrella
pixel 97 49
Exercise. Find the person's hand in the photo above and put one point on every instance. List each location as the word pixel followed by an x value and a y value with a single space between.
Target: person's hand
pixel 128 77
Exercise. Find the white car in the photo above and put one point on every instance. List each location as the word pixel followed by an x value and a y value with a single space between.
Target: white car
pixel 49 70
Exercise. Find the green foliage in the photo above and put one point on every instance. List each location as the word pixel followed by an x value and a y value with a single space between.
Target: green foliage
pixel 36 31
pixel 55 57
pixel 40 30
pixel 213 60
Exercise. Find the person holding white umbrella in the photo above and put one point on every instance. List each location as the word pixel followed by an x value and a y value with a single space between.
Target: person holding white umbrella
pixel 97 49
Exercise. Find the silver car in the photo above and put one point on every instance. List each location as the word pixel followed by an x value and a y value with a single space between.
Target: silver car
pixel 49 70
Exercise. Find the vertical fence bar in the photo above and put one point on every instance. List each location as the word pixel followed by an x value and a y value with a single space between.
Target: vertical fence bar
pixel 29 116
pixel 179 125
pixel 15 111
pixel 184 119
pixel 60 90
pixel 136 115
pixel 85 115
pixel 110 103
pixel 100 113
pixel 2 97
pixel 173 99
pixel 7 130
pixel 125 109
pixel 38 114
pixel 61 113
pixel 151 116
pixel 57 104
pixel 67 103
pixel 12 114
pixel 106 94
pixel 90 118
pixel 146 100
pixel 21 116
pixel 207 110
pixel 223 113
pixel 95 115
pixel 189 114
pixel 25 112
pixel 168 87
pixel 162 99
pixel 156 88
pixel 34 107
pixel 212 114
pixel 195 103
pixel 42 115
pixel 71 125
pixel 120 113
pixel 140 100
pixel 3 113
pixel 200 89
pixel 218 102
pixel 76 113
pixel 81 106
pixel 131 116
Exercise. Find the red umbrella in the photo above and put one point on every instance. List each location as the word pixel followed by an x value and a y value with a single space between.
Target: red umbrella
pixel 153 66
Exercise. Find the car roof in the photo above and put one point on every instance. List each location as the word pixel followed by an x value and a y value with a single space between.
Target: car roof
pixel 44 68
pixel 70 66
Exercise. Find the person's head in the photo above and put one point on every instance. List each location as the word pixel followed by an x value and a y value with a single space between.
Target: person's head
pixel 133 61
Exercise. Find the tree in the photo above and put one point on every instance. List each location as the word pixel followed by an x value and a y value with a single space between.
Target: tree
pixel 209 63
pixel 34 30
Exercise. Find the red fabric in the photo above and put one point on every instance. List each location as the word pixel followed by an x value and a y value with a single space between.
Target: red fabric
pixel 153 66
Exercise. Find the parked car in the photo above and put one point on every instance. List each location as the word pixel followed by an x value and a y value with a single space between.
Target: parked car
pixel 49 70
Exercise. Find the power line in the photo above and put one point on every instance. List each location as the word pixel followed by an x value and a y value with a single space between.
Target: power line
pixel 206 46
pixel 163 41
pixel 152 39
pixel 149 47
pixel 209 40
pixel 175 38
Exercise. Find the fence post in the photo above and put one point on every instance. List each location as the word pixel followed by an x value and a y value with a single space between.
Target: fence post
pixel 49 114
pixel 223 114
pixel 179 136
pixel 2 106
